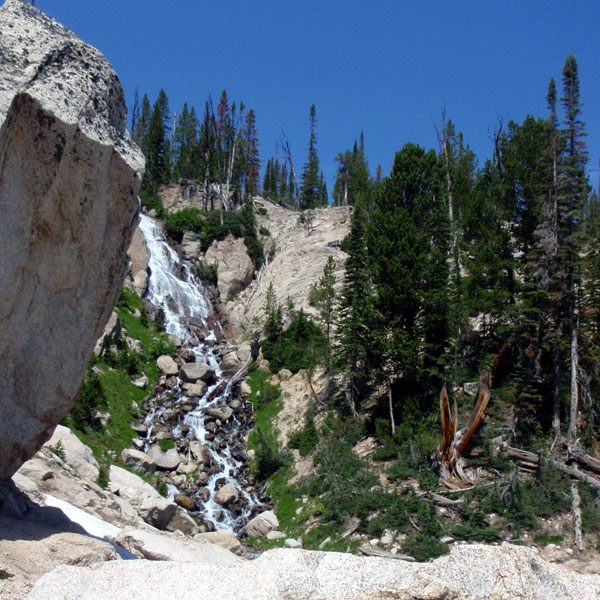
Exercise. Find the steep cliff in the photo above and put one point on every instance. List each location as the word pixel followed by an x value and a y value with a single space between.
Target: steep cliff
pixel 297 250
pixel 69 176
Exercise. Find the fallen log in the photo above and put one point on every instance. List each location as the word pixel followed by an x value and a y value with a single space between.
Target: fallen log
pixel 531 458
pixel 370 551
pixel 589 479
pixel 576 454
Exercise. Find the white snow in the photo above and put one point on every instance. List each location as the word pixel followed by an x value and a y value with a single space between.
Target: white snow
pixel 92 525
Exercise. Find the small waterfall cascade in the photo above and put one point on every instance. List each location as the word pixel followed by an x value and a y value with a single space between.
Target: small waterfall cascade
pixel 172 286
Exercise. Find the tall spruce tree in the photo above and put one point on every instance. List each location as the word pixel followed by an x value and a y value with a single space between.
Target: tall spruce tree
pixel 407 241
pixel 572 196
pixel 353 335
pixel 313 192
pixel 156 145
pixel 252 155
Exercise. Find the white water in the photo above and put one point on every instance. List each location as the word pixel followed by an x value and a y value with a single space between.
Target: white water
pixel 172 286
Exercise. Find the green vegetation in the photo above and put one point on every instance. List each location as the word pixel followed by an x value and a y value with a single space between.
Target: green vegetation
pixel 108 400
pixel 58 450
pixel 4 574
pixel 208 273
pixel 166 444
pixel 305 439
pixel 267 403
pixel 451 268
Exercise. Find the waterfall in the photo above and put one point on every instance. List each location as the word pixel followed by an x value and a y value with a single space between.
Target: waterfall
pixel 172 286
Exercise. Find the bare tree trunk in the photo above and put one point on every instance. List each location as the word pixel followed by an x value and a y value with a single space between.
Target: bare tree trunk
pixel 455 443
pixel 172 157
pixel 576 505
pixel 287 151
pixel 205 184
pixel 572 432
pixel 391 405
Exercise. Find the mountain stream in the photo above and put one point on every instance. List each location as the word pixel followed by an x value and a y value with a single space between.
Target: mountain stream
pixel 187 309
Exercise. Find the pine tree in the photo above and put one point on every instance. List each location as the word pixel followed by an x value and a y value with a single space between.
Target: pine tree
pixel 156 145
pixel 407 240
pixel 273 326
pixel 323 296
pixel 141 126
pixel 186 139
pixel 353 335
pixel 572 196
pixel 352 180
pixel 311 189
pixel 252 157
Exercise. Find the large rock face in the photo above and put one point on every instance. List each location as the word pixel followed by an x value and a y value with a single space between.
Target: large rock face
pixel 234 267
pixel 295 261
pixel 69 176
pixel 469 573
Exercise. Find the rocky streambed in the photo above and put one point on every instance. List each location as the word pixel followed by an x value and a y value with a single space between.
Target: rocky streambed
pixel 195 441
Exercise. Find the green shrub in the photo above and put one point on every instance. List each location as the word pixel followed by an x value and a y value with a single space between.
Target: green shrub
pixel 166 444
pixel 129 361
pixel 267 459
pixel 186 219
pixel 102 480
pixel 400 470
pixel 298 347
pixel 162 346
pixel 4 574
pixel 590 511
pixel 343 481
pixel 306 438
pixel 159 319
pixel 58 450
pixel 91 399
pixel 428 480
pixel 161 487
pixel 262 211
pixel 208 273
pixel 423 547
pixel 152 201
pixel 264 231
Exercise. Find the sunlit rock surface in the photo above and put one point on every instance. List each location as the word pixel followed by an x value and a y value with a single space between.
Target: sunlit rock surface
pixel 69 176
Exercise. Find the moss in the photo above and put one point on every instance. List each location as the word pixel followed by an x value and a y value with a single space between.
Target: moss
pixel 166 444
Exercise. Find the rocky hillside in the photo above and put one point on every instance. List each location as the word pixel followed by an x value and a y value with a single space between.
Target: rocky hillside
pixel 296 247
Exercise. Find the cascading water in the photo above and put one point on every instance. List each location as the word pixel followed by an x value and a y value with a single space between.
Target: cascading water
pixel 172 286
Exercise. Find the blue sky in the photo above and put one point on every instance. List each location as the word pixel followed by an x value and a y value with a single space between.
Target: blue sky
pixel 384 67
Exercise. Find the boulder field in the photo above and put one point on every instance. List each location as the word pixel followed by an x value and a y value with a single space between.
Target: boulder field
pixel 69 177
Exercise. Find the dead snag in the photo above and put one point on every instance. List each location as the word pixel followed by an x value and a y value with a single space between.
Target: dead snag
pixel 455 443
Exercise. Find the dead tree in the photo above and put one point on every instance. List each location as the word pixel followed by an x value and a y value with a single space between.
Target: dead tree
pixel 456 442
pixel 287 152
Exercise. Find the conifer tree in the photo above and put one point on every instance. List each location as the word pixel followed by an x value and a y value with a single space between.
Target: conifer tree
pixel 407 240
pixel 186 139
pixel 352 179
pixel 252 156
pixel 312 193
pixel 572 196
pixel 156 145
pixel 141 126
pixel 353 335
pixel 323 296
